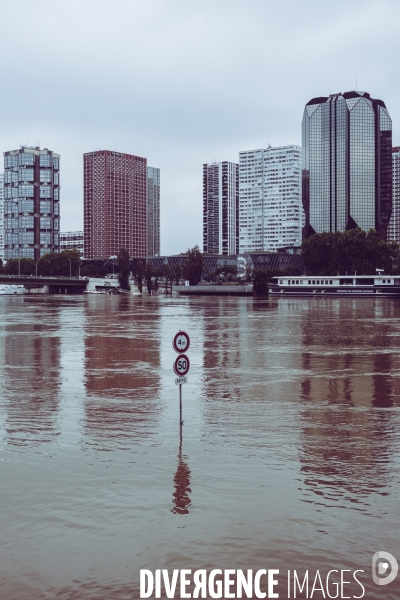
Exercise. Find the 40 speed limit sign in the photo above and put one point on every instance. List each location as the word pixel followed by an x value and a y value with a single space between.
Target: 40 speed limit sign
pixel 181 365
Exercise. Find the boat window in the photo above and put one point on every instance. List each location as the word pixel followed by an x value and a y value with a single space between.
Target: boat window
pixel 288 282
pixel 330 282
pixel 297 282
pixel 281 281
pixel 313 281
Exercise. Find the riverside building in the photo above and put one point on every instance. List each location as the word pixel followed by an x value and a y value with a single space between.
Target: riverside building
pixel 115 204
pixel 31 202
pixel 394 223
pixel 72 240
pixel 220 208
pixel 2 216
pixel 346 164
pixel 270 210
pixel 153 212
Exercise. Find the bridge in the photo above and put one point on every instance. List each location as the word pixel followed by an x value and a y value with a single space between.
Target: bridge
pixel 52 285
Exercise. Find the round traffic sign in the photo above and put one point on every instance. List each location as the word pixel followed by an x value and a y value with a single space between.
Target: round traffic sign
pixel 181 342
pixel 181 365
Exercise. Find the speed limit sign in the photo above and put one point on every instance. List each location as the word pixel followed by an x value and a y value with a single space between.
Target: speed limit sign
pixel 181 365
pixel 181 342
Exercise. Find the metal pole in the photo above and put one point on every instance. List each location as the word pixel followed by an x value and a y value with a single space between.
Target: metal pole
pixel 180 405
pixel 19 264
pixel 36 267
pixel 69 268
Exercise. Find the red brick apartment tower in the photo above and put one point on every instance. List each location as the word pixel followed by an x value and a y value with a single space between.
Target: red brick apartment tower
pixel 114 199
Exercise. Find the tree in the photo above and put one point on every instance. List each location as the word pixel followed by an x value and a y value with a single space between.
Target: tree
pixel 139 274
pixel 353 251
pixel 193 267
pixel 261 279
pixel 176 273
pixel 148 275
pixel 167 274
pixel 226 273
pixel 123 268
pixel 56 264
pixel 24 266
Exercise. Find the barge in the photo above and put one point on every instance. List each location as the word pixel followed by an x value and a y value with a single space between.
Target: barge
pixel 340 285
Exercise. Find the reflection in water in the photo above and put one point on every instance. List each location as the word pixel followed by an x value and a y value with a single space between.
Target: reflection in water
pixel 346 453
pixel 122 359
pixel 181 499
pixel 31 381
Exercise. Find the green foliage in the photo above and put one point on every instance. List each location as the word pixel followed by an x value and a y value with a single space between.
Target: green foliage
pixel 93 269
pixel 139 274
pixel 123 268
pixel 176 273
pixel 24 266
pixel 57 264
pixel 148 275
pixel 226 273
pixel 261 279
pixel 193 267
pixel 353 251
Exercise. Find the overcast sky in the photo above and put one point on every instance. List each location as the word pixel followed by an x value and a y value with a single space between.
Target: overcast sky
pixel 182 82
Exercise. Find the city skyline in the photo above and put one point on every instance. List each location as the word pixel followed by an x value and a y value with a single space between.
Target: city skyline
pixel 246 88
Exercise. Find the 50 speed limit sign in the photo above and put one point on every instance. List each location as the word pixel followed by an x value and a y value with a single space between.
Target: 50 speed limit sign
pixel 181 365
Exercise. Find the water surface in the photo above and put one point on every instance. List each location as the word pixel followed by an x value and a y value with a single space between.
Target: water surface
pixel 289 456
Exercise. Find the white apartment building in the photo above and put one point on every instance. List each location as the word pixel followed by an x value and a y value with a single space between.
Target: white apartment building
pixel 271 215
pixel 2 216
pixel 70 240
pixel 394 223
pixel 220 208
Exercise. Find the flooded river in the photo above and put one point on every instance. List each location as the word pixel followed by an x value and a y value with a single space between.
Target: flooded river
pixel 288 459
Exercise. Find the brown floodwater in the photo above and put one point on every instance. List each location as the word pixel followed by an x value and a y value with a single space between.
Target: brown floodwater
pixel 288 459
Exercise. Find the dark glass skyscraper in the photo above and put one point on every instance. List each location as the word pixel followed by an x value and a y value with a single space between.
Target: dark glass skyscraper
pixel 346 164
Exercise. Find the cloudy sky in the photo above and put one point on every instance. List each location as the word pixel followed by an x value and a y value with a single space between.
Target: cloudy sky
pixel 182 82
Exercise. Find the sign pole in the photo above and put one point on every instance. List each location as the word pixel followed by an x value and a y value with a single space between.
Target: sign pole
pixel 180 405
pixel 181 343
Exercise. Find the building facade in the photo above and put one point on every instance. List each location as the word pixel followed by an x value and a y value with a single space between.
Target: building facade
pixel 220 208
pixel 115 204
pixel 153 212
pixel 2 216
pixel 72 240
pixel 31 202
pixel 347 164
pixel 394 223
pixel 270 209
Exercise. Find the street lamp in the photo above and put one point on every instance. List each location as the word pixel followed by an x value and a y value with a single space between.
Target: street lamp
pixel 70 268
pixel 36 267
pixel 79 270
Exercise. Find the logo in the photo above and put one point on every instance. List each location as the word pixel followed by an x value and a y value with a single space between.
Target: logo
pixel 380 565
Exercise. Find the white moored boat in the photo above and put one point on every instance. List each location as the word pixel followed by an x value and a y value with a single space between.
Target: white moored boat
pixel 341 285
pixel 8 290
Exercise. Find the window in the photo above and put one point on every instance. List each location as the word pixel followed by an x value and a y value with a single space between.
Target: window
pixel 45 160
pixel 26 191
pixel 45 176
pixel 26 222
pixel 45 223
pixel 26 158
pixel 45 238
pixel 55 209
pixel 45 206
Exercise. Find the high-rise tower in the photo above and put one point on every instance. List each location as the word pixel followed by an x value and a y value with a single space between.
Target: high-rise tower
pixel 270 211
pixel 115 204
pixel 153 212
pixel 31 202
pixel 347 164
pixel 394 224
pixel 220 208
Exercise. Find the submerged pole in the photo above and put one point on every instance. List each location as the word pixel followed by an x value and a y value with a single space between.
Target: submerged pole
pixel 180 405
